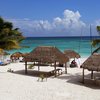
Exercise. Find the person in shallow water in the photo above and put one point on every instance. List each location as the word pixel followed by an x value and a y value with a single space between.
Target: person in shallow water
pixel 73 64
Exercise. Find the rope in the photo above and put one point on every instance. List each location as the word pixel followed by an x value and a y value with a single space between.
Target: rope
pixel 79 48
pixel 80 42
pixel 91 38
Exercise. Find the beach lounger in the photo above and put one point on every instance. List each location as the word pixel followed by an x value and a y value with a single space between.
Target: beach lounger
pixel 3 64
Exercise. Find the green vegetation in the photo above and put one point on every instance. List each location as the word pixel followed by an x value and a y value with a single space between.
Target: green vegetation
pixel 30 66
pixel 96 42
pixel 98 29
pixel 10 37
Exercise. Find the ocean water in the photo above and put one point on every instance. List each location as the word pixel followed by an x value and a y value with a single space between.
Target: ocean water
pixel 82 45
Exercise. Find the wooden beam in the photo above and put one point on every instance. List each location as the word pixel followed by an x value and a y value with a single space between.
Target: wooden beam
pixel 92 74
pixel 25 67
pixel 83 76
pixel 38 66
pixel 55 68
pixel 65 68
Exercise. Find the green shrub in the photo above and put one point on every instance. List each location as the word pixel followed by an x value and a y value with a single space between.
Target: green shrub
pixel 30 66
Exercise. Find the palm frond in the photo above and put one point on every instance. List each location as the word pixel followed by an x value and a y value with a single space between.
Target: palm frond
pixel 95 42
pixel 95 51
pixel 10 44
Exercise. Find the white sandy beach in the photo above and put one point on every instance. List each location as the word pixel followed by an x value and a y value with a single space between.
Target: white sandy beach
pixel 17 86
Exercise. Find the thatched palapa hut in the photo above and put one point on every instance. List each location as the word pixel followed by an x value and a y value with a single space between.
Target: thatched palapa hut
pixel 46 54
pixel 17 55
pixel 71 54
pixel 92 64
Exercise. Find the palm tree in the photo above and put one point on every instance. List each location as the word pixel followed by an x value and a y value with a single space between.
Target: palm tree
pixel 96 42
pixel 98 29
pixel 1 51
pixel 10 38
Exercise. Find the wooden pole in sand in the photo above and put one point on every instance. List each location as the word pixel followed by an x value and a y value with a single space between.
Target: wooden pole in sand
pixel 38 66
pixel 55 68
pixel 92 74
pixel 25 67
pixel 65 68
pixel 83 76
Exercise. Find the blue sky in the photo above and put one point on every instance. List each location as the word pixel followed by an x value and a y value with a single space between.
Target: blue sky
pixel 52 17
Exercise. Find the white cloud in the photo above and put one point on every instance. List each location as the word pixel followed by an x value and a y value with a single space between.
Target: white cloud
pixel 70 21
pixel 71 15
pixel 69 24
pixel 97 22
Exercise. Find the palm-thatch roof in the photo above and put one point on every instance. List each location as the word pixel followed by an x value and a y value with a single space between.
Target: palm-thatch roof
pixel 71 54
pixel 25 54
pixel 46 54
pixel 92 63
pixel 17 54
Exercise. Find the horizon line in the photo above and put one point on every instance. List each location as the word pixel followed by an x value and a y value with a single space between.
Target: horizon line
pixel 56 36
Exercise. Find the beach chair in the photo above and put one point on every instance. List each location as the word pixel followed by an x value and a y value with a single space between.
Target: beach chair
pixel 3 63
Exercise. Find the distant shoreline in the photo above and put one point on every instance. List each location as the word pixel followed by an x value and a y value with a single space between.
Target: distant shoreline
pixel 63 37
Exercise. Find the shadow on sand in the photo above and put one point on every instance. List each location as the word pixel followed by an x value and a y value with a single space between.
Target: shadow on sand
pixel 77 79
pixel 34 73
pixel 73 79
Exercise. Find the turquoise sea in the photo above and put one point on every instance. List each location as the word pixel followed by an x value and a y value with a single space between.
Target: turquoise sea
pixel 82 45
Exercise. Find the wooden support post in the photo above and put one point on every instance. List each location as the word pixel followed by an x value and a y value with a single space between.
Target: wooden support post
pixel 92 74
pixel 25 67
pixel 65 68
pixel 83 76
pixel 38 66
pixel 55 68
pixel 34 63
